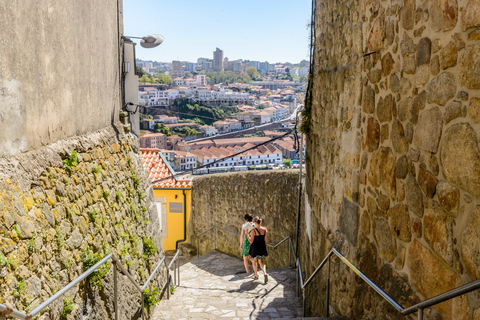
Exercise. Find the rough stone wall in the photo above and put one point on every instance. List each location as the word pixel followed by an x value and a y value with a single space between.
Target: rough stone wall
pixel 393 178
pixel 53 219
pixel 223 200
pixel 59 71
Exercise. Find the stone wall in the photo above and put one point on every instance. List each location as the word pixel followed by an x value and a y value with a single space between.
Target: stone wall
pixel 223 200
pixel 59 72
pixel 57 217
pixel 393 178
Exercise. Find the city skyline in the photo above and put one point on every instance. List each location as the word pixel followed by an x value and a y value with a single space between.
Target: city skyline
pixel 274 31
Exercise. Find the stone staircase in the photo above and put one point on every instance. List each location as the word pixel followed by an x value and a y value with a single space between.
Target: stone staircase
pixel 213 287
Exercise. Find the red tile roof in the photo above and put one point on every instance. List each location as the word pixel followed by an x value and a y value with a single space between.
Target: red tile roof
pixel 158 169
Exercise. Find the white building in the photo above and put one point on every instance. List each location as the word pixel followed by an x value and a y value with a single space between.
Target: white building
pixel 208 130
pixel 201 80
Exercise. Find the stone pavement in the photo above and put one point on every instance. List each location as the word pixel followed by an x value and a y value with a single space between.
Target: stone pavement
pixel 211 288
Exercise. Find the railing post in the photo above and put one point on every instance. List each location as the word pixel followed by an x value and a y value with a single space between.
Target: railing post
pixel 197 248
pixel 178 272
pixel 168 284
pixel 420 314
pixel 328 289
pixel 175 273
pixel 143 307
pixel 115 288
pixel 297 286
pixel 304 303
pixel 215 238
pixel 289 255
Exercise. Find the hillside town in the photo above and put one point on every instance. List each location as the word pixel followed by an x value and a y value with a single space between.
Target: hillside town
pixel 195 121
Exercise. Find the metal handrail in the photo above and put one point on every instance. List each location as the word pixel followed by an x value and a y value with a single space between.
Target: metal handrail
pixel 290 248
pixel 4 310
pixel 474 285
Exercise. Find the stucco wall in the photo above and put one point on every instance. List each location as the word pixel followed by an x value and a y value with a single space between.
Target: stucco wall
pixel 223 200
pixel 59 71
pixel 53 218
pixel 392 155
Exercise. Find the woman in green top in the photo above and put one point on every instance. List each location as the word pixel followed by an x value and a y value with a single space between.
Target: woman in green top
pixel 244 243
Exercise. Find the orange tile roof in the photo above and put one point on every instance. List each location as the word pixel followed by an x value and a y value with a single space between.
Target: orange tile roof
pixel 158 169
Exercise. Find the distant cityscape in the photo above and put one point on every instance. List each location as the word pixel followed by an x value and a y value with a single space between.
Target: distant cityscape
pixel 203 112
pixel 220 63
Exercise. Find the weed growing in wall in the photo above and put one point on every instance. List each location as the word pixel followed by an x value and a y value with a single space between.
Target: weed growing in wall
pixel 4 260
pixel 149 249
pixel 118 196
pixel 96 169
pixel 19 289
pixel 105 194
pixel 89 259
pixel 31 246
pixel 151 297
pixel 71 162
pixel 68 307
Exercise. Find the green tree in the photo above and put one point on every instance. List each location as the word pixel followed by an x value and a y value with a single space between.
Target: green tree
pixel 287 163
pixel 160 127
pixel 139 72
pixel 252 72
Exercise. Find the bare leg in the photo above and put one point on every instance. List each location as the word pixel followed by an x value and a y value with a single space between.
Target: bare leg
pixel 255 267
pixel 264 269
pixel 245 262
pixel 263 266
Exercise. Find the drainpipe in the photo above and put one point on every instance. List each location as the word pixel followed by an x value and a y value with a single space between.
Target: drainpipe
pixel 299 195
pixel 184 220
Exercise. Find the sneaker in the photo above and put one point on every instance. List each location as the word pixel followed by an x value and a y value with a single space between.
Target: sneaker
pixel 265 278
pixel 255 277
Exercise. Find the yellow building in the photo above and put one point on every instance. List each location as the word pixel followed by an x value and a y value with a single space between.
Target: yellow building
pixel 172 196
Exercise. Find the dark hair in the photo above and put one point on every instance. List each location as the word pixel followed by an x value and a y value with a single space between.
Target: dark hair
pixel 248 217
pixel 257 220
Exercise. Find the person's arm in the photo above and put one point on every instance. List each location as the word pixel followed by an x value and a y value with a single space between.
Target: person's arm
pixel 250 236
pixel 266 236
pixel 241 238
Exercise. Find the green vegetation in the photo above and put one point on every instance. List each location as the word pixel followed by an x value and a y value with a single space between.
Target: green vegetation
pixel 161 128
pixel 59 238
pixel 105 194
pixel 118 196
pixel 68 307
pixel 89 259
pixel 252 72
pixel 93 215
pixel 149 248
pixel 31 246
pixel 136 181
pixel 151 297
pixel 17 229
pixel 211 114
pixel 172 289
pixel 185 131
pixel 287 162
pixel 71 161
pixel 96 169
pixel 4 260
pixel 19 289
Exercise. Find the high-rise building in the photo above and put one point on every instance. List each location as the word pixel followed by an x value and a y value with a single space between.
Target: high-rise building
pixel 176 66
pixel 218 60
pixel 190 67
pixel 263 67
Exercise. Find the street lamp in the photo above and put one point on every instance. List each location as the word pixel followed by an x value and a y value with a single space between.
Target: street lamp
pixel 130 78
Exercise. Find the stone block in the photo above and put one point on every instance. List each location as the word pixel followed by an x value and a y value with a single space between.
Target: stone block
pixel 382 170
pixel 469 67
pixel 460 158
pixel 384 109
pixel 376 34
pixel 408 14
pixel 424 51
pixel 438 231
pixel 368 101
pixel 443 14
pixel 349 218
pixel 429 130
pixel 448 56
pixel 400 144
pixel 400 222
pixel 414 196
pixel 386 243
pixel 372 138
pixel 401 168
pixel 470 15
pixel 427 182
pixel 441 88
pixel 432 277
pixel 387 64
pixel 474 109
pixel 454 110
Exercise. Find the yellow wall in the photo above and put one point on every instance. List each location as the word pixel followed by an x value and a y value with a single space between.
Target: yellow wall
pixel 174 226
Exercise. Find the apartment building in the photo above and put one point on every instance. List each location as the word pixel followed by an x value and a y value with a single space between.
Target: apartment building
pixel 153 140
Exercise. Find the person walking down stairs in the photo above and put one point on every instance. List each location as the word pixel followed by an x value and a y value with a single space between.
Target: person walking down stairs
pixel 258 239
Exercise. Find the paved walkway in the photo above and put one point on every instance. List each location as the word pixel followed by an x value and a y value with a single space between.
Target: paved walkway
pixel 211 288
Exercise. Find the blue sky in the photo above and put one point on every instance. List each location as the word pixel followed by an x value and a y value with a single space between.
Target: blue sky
pixel 263 30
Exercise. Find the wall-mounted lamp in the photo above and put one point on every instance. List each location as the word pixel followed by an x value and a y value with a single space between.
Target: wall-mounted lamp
pixel 130 79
